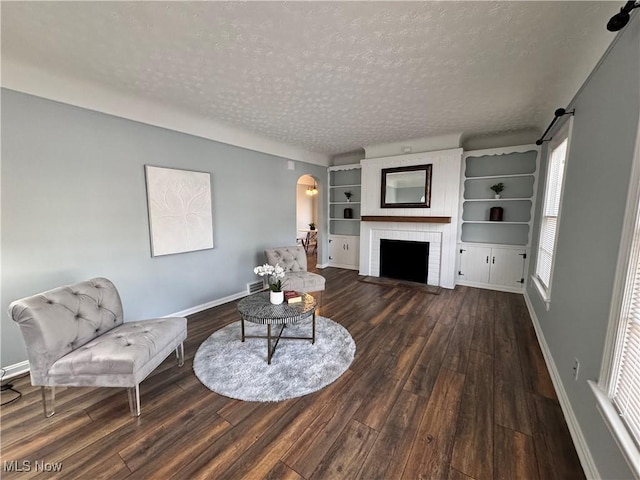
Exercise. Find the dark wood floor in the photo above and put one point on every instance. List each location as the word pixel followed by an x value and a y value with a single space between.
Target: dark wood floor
pixel 449 386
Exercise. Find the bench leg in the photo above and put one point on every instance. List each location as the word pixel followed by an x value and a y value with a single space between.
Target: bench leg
pixel 134 400
pixel 48 400
pixel 180 354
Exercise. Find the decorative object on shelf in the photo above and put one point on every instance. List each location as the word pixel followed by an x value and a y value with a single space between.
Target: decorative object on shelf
pixel 497 189
pixel 348 195
pixel 348 213
pixel 495 214
pixel 274 275
pixel 312 226
pixel 311 191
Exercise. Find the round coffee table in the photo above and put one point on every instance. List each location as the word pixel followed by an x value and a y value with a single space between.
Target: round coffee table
pixel 258 309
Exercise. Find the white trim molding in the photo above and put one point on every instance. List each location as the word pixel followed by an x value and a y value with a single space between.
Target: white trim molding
pixel 205 306
pixel 580 443
pixel 15 370
pixel 617 428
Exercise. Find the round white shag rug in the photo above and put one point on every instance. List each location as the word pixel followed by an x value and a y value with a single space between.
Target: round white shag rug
pixel 226 365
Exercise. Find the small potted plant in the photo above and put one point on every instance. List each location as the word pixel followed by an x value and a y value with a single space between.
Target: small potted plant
pixel 274 279
pixel 348 195
pixel 497 189
pixel 312 226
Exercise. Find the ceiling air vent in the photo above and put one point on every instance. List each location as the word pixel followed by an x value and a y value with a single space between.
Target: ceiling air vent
pixel 255 287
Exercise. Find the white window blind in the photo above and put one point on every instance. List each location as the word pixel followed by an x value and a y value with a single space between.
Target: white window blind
pixel 549 222
pixel 626 396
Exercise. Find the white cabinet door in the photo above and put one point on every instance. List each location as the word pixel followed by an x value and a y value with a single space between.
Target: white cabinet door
pixel 352 247
pixel 344 251
pixel 507 267
pixel 474 264
pixel 336 250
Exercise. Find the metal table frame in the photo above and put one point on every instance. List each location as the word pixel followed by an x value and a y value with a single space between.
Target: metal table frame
pixel 257 309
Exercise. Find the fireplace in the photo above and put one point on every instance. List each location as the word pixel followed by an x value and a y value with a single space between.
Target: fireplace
pixel 404 260
pixel 370 265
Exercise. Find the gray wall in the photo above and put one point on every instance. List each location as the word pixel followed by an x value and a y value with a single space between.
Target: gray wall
pixel 74 207
pixel 596 184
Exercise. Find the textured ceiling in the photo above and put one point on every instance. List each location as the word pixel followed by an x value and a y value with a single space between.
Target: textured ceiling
pixel 329 77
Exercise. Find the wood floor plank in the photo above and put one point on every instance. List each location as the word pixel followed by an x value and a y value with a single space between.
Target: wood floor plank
pixel 510 399
pixel 514 455
pixel 430 453
pixel 473 449
pixel 389 454
pixel 484 327
pixel 555 455
pixel 413 415
pixel 344 459
pixel 427 368
pixel 456 475
pixel 281 472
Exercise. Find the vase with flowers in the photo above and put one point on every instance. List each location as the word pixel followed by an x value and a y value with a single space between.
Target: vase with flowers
pixel 275 275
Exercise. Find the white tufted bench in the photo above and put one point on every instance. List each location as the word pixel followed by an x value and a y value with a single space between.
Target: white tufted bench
pixel 75 337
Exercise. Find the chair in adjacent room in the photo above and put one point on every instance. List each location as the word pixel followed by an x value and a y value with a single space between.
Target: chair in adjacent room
pixel 294 261
pixel 76 337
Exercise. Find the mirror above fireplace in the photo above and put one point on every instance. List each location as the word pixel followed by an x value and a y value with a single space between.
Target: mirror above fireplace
pixel 406 187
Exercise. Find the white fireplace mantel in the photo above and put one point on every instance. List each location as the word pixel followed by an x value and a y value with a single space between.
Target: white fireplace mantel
pixel 442 235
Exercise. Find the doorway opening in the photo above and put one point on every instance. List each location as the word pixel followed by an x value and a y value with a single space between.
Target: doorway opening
pixel 307 206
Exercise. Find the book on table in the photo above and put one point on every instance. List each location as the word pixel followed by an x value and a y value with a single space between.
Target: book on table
pixel 291 296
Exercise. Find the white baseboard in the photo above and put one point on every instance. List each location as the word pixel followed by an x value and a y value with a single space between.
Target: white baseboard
pixel 23 367
pixel 211 304
pixel 488 286
pixel 15 370
pixel 322 265
pixel 582 449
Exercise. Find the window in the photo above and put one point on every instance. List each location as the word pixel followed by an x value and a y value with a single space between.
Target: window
pixel 618 389
pixel 625 379
pixel 551 209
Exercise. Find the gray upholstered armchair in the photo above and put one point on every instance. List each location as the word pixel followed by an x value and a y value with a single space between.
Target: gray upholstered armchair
pixel 294 262
pixel 75 337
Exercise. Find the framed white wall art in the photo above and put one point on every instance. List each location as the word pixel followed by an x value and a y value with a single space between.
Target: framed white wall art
pixel 180 216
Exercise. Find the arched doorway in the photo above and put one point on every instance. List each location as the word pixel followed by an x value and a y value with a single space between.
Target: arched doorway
pixel 307 208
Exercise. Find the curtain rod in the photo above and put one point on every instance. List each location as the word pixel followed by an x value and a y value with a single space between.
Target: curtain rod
pixel 558 113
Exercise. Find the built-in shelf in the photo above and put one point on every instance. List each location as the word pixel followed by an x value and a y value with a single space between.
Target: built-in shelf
pixel 516 168
pixel 494 254
pixel 398 218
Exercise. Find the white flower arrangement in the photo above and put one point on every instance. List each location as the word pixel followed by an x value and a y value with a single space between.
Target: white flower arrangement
pixel 275 274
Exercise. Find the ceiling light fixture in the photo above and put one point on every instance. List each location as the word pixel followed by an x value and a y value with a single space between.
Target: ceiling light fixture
pixel 620 20
pixel 312 190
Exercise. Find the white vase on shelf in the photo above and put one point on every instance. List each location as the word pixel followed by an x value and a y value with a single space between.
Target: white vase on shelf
pixel 276 298
pixel 497 196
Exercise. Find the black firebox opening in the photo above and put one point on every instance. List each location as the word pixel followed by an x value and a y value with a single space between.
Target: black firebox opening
pixel 404 260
